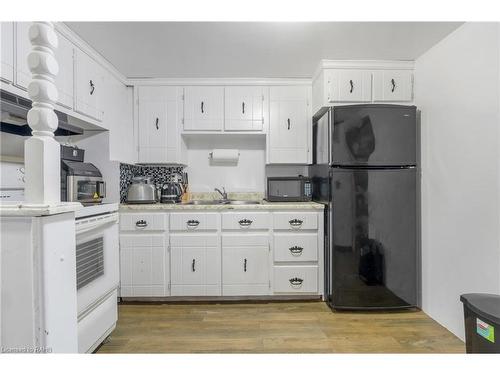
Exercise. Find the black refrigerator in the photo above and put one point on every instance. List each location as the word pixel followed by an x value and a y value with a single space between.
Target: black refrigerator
pixel 365 172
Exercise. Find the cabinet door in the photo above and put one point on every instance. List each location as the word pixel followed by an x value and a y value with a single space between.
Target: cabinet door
pixel 244 108
pixel 63 55
pixel 346 85
pixel 203 108
pixel 89 82
pixel 7 52
pixel 195 271
pixel 160 112
pixel 144 266
pixel 290 125
pixel 245 270
pixel 393 86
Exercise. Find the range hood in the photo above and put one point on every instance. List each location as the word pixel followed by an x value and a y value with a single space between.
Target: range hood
pixel 15 111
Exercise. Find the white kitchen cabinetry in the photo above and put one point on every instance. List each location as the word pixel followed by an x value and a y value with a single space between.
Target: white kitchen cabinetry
pixel 289 139
pixel 195 254
pixel 7 52
pixel 118 118
pixel 160 122
pixel 204 108
pixel 296 279
pixel 348 85
pixel 89 83
pixel 63 55
pixel 244 108
pixel 144 260
pixel 245 264
pixel 392 86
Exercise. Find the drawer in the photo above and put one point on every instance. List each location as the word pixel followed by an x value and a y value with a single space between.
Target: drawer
pixel 193 221
pixel 296 279
pixel 294 247
pixel 143 222
pixel 246 220
pixel 295 220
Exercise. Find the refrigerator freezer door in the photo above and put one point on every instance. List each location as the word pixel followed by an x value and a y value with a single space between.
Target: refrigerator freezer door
pixel 374 135
pixel 373 246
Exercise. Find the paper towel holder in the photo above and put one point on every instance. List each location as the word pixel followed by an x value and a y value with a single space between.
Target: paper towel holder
pixel 211 155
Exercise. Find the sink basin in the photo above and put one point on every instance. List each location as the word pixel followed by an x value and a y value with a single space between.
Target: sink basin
pixel 242 202
pixel 215 202
pixel 201 202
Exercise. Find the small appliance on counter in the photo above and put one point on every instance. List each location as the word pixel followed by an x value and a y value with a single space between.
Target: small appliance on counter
pixel 171 192
pixel 80 182
pixel 289 189
pixel 141 191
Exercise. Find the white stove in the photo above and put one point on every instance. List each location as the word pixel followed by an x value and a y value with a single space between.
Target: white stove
pixel 97 271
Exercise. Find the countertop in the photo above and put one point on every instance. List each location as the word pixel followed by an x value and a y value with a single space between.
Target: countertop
pixel 264 205
pixel 35 210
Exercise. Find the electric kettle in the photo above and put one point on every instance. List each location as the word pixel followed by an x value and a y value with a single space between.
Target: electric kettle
pixel 171 192
pixel 141 190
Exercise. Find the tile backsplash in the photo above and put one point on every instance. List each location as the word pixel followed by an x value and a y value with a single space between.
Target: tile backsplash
pixel 159 175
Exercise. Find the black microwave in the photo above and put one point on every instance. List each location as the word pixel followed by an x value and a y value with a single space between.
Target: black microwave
pixel 289 189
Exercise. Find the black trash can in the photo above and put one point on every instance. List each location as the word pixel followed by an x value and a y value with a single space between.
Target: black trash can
pixel 482 322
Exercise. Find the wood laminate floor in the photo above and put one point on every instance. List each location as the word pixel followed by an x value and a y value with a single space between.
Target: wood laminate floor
pixel 274 327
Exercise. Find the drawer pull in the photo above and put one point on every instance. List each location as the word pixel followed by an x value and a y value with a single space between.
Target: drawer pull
pixel 296 282
pixel 295 223
pixel 141 224
pixel 192 223
pixel 245 265
pixel 245 223
pixel 296 250
pixel 193 264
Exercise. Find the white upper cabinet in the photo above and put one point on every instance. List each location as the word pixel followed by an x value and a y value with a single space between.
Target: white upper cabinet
pixel 63 55
pixel 7 52
pixel 290 125
pixel 204 108
pixel 244 108
pixel 160 122
pixel 392 86
pixel 119 119
pixel 89 83
pixel 348 85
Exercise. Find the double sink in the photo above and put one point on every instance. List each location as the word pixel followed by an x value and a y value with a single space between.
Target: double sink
pixel 219 202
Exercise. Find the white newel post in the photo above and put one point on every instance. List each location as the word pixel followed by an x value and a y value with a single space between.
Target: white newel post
pixel 42 151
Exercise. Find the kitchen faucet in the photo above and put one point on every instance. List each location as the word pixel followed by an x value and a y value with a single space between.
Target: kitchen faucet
pixel 222 193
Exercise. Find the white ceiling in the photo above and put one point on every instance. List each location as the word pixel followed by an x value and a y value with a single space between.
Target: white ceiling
pixel 252 49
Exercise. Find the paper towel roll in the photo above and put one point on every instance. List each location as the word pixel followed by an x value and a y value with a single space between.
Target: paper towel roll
pixel 225 155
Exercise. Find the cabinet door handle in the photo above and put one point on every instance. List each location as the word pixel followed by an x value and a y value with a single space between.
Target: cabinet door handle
pixel 202 107
pixel 352 85
pixel 243 107
pixel 193 265
pixel 296 250
pixel 192 223
pixel 288 122
pixel 245 222
pixel 295 223
pixel 393 83
pixel 92 87
pixel 141 224
pixel 296 282
pixel 245 265
pixel 156 123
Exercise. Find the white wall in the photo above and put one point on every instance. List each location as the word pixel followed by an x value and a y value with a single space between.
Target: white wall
pixel 247 175
pixel 457 91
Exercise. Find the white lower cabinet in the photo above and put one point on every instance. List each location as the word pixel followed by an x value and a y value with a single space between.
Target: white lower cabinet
pixel 144 265
pixel 196 271
pixel 296 279
pixel 236 253
pixel 245 265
